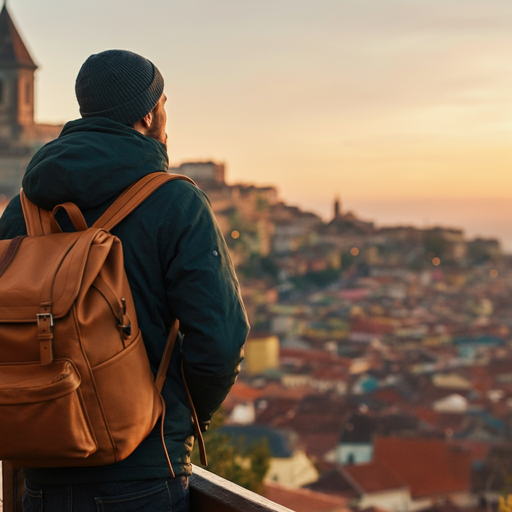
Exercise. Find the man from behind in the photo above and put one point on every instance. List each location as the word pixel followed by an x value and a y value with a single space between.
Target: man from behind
pixel 177 265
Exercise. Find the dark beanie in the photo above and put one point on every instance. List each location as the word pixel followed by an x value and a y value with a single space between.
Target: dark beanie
pixel 119 85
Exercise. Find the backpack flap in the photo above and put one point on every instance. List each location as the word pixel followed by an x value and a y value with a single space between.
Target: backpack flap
pixel 40 283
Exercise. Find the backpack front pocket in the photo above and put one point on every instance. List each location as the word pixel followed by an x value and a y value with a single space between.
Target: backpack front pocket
pixel 41 412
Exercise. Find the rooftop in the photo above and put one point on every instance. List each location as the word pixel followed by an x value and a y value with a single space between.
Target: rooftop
pixel 13 51
pixel 429 466
pixel 373 477
pixel 304 500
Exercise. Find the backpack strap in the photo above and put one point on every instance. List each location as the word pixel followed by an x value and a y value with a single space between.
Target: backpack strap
pixel 166 358
pixel 133 196
pixel 195 421
pixel 159 383
pixel 36 219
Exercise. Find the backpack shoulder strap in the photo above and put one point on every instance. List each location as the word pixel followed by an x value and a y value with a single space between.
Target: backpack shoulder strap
pixel 133 196
pixel 36 219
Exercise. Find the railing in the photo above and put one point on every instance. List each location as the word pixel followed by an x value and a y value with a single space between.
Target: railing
pixel 208 493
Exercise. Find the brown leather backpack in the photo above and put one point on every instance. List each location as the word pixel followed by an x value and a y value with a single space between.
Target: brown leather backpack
pixel 76 387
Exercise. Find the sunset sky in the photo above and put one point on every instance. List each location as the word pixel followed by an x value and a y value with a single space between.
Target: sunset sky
pixel 402 107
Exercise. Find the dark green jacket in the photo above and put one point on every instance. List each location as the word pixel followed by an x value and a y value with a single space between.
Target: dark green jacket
pixel 177 264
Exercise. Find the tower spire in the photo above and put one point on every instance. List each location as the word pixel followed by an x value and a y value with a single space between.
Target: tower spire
pixel 337 207
pixel 13 51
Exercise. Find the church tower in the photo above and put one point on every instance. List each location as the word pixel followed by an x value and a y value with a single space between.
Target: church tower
pixel 16 82
pixel 20 136
pixel 337 208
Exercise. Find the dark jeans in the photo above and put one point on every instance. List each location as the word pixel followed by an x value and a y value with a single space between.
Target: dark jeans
pixel 158 495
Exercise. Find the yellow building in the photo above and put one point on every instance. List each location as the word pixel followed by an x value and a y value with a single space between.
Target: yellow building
pixel 261 353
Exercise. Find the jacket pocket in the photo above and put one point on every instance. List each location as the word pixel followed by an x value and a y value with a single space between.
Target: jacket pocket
pixel 41 412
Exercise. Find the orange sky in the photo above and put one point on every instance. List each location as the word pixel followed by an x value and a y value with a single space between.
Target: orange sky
pixel 403 107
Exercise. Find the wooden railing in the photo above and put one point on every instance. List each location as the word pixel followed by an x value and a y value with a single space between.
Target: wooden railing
pixel 208 493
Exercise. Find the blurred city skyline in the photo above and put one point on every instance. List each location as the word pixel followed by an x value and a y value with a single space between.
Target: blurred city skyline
pixel 403 108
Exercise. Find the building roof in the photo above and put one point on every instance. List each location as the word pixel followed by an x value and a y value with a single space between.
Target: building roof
pixel 243 392
pixel 373 477
pixel 334 481
pixel 304 500
pixel 13 51
pixel 373 509
pixel 318 445
pixel 429 466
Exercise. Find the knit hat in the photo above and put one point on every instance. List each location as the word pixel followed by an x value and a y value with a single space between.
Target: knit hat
pixel 119 85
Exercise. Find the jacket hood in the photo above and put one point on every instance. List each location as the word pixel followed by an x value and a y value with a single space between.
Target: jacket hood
pixel 91 162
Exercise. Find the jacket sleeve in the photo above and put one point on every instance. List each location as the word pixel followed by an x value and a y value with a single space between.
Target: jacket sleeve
pixel 204 294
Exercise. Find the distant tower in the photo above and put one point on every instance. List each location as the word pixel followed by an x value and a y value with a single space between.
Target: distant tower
pixel 16 82
pixel 337 208
pixel 20 136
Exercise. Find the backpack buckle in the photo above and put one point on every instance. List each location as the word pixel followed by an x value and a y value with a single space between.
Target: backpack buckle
pixel 127 329
pixel 40 315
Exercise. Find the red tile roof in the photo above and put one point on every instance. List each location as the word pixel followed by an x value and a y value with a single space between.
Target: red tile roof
pixel 426 414
pixel 373 509
pixel 429 466
pixel 389 396
pixel 274 389
pixel 305 500
pixel 373 477
pixel 244 392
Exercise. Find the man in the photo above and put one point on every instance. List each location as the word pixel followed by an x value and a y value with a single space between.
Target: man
pixel 177 264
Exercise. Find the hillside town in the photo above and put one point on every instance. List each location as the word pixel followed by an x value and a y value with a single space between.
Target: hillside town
pixel 379 365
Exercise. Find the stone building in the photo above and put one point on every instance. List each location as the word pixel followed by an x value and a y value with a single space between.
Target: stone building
pixel 20 136
pixel 205 174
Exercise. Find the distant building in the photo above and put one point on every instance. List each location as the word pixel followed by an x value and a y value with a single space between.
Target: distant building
pixel 337 208
pixel 356 443
pixel 261 353
pixel 204 173
pixel 289 464
pixel 482 249
pixel 405 475
pixel 20 136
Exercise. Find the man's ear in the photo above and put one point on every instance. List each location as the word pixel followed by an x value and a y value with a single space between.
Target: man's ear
pixel 144 124
pixel 147 120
